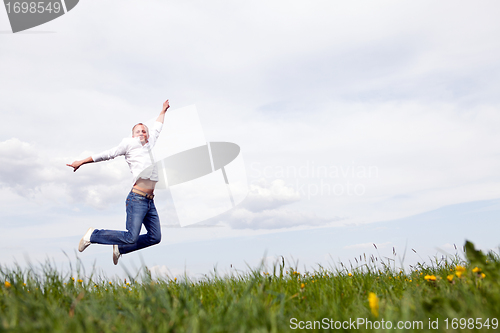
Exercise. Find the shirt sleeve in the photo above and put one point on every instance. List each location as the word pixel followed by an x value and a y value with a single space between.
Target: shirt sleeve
pixel 155 133
pixel 109 154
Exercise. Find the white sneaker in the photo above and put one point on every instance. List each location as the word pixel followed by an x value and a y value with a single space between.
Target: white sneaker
pixel 116 254
pixel 85 241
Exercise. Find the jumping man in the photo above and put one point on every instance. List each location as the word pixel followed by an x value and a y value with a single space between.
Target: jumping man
pixel 140 206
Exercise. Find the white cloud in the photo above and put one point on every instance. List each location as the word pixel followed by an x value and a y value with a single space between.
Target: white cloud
pixel 241 218
pixel 368 246
pixel 162 272
pixel 33 174
pixel 20 165
pixel 263 209
pixel 263 195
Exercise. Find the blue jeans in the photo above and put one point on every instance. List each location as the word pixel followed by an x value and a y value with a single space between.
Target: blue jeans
pixel 140 210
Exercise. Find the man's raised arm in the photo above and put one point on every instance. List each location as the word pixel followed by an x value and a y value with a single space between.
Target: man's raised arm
pixel 161 117
pixel 76 164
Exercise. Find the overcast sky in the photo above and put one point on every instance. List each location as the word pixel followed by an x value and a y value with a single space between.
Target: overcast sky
pixel 346 113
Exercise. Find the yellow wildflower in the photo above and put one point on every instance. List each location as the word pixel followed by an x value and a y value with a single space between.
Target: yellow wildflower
pixel 476 270
pixel 430 278
pixel 483 275
pixel 349 274
pixel 7 284
pixel 302 286
pixel 373 302
pixel 460 270
pixel 449 278
pixel 80 280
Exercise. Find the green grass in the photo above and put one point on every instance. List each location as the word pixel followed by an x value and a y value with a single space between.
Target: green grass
pixel 45 300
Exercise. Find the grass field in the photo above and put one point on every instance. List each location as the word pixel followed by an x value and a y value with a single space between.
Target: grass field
pixel 447 295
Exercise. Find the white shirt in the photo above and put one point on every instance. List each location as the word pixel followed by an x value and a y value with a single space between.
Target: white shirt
pixel 139 158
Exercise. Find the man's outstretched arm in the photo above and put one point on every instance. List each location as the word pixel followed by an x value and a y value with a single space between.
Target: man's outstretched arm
pixel 76 164
pixel 161 117
pixel 109 154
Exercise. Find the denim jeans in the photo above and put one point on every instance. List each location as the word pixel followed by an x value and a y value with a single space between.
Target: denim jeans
pixel 140 210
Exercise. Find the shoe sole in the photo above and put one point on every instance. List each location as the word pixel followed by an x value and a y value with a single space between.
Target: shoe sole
pixel 82 245
pixel 115 257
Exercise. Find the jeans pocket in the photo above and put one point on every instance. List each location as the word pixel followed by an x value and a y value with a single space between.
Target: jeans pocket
pixel 134 198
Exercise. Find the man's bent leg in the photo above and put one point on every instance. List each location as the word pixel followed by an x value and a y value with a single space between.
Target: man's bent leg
pixel 137 208
pixel 152 224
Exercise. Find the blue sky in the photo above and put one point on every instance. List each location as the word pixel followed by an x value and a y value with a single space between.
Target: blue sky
pixel 406 90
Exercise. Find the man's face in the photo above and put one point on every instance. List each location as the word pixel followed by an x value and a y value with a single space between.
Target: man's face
pixel 141 132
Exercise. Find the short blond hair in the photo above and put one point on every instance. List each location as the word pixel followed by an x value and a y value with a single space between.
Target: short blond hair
pixel 133 128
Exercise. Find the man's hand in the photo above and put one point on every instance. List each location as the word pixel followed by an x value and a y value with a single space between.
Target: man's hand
pixel 161 117
pixel 165 106
pixel 76 164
